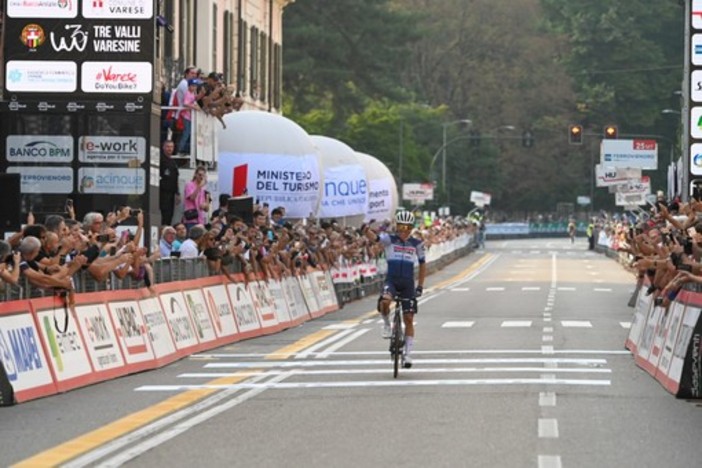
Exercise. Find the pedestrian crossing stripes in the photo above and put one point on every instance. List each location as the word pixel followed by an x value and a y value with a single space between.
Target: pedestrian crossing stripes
pixel 536 288
pixel 529 323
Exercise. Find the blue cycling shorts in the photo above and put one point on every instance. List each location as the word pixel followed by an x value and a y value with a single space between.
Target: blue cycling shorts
pixel 404 287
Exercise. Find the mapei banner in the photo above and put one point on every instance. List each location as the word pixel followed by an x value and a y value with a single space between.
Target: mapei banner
pixel 79 48
pixel 291 181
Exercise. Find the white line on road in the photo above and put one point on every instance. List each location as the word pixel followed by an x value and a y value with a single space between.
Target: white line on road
pixel 372 362
pixel 313 349
pixel 565 288
pixel 457 324
pixel 426 352
pixel 547 399
pixel 576 324
pixel 383 370
pixel 327 352
pixel 546 338
pixel 548 428
pixel 339 326
pixel 460 289
pixel 378 383
pixel 626 325
pixel 531 288
pixel 547 349
pixel 550 461
pixel 495 289
pixel 548 330
pixel 602 289
pixel 516 324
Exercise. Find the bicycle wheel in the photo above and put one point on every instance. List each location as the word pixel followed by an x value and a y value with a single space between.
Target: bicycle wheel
pixel 397 341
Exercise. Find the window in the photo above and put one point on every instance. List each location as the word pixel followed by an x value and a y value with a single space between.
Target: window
pixel 241 54
pixel 277 76
pixel 263 78
pixel 254 66
pixel 214 37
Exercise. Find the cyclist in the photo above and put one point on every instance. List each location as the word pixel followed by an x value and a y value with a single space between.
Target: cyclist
pixel 401 250
pixel 571 231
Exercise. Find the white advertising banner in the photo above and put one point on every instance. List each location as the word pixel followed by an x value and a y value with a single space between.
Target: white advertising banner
pixel 200 315
pixel 44 179
pixel 280 305
pixel 113 181
pixel 687 330
pixel 42 9
pixel 45 76
pixel 263 303
pixel 480 198
pixel 610 176
pixel 345 191
pixel 296 303
pixel 417 192
pixel 178 320
pixel 65 348
pixel 696 117
pixel 244 312
pixel 642 185
pixel 380 199
pixel 116 77
pixel 111 150
pixel 204 138
pixel 308 293
pixel 220 310
pixel 696 158
pixel 157 327
pixel 39 149
pixel 291 181
pixel 629 199
pixel 642 154
pixel 131 331
pixel 94 323
pixel 697 14
pixel 118 9
pixel 21 353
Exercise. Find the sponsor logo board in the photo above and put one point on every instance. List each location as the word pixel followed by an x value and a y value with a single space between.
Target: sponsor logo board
pixel 220 310
pixel 131 331
pixel 44 179
pixel 111 180
pixel 65 348
pixel 642 154
pixel 178 320
pixel 39 148
pixel 380 199
pixel 345 191
pixel 244 311
pixel 157 328
pixel 42 8
pixel 200 315
pixel 111 150
pixel 116 77
pixel 21 353
pixel 94 321
pixel 114 9
pixel 46 76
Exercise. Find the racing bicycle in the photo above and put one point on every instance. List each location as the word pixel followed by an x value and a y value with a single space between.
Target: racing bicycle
pixel 397 337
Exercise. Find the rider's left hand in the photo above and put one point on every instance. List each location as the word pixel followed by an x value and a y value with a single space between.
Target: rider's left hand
pixel 418 291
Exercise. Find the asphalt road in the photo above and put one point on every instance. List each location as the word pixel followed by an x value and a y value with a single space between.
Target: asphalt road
pixel 519 362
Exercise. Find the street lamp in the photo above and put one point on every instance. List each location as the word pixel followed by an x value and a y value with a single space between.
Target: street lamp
pixel 444 126
pixel 671 111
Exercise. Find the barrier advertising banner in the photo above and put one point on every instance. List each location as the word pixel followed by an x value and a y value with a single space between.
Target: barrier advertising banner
pixel 132 333
pixel 244 311
pixel 264 306
pixel 178 319
pixel 296 303
pixel 280 304
pixel 221 311
pixel 687 361
pixel 199 314
pixel 23 357
pixel 100 339
pixel 157 330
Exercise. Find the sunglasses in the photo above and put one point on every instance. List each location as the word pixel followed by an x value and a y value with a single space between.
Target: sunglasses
pixel 404 227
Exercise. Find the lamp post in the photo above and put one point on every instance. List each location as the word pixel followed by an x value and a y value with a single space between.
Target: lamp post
pixel 444 126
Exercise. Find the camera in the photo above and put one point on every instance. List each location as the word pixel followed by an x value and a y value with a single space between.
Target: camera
pixel 103 238
pixel 134 211
pixel 658 301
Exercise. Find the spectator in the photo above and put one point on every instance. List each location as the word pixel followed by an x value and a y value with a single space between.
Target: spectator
pixel 190 248
pixel 221 211
pixel 167 242
pixel 277 216
pixel 168 184
pixel 195 205
pixel 181 234
pixel 185 116
pixel 35 274
pixel 9 264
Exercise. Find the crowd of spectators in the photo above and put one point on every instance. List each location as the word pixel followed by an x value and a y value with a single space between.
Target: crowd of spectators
pixel 196 92
pixel 109 246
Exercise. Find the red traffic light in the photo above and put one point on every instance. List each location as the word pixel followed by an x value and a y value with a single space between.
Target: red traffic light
pixel 575 134
pixel 610 131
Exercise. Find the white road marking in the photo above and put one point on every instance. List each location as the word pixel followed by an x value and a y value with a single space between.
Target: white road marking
pixel 602 289
pixel 516 324
pixel 548 330
pixel 495 289
pixel 548 308
pixel 428 352
pixel 547 319
pixel 550 365
pixel 565 288
pixel 457 324
pixel 460 289
pixel 383 370
pixel 531 288
pixel 547 349
pixel 313 349
pixel 548 376
pixel 548 428
pixel 550 461
pixel 373 362
pixel 626 325
pixel 546 338
pixel 576 323
pixel 157 425
pixel 547 399
pixel 339 326
pixel 327 352
pixel 379 383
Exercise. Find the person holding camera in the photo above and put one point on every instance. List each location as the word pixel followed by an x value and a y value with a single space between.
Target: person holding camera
pixel 196 199
pixel 9 264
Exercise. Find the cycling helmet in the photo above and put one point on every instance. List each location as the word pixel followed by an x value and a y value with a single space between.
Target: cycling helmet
pixel 404 217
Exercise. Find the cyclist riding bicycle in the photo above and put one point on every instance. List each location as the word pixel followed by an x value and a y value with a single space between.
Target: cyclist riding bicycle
pixel 401 250
pixel 571 231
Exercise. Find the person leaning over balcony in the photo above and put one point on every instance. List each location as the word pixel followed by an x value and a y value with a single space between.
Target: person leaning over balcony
pixel 189 104
pixel 30 269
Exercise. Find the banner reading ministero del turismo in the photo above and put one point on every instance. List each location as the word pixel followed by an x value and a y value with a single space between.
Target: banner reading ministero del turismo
pixel 289 181
pixel 79 50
